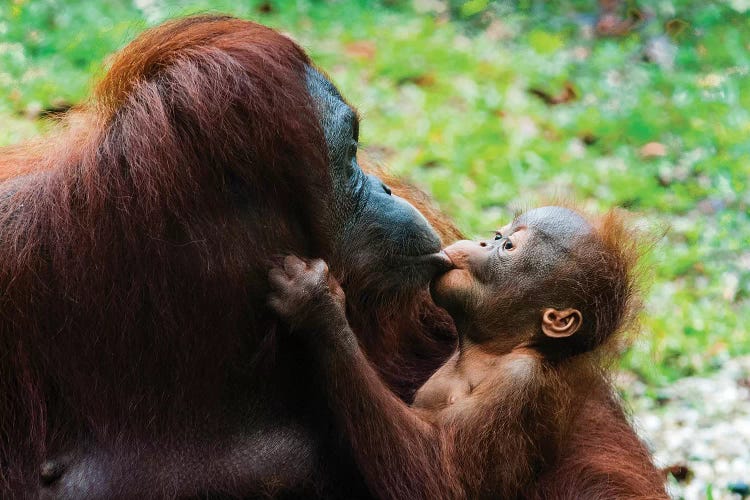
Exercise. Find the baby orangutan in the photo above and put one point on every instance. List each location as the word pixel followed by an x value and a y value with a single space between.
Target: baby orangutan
pixel 537 310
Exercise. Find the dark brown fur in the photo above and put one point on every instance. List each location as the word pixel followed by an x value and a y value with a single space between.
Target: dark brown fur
pixel 132 281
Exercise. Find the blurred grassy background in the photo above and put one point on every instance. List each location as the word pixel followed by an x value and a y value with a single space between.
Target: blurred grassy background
pixel 654 115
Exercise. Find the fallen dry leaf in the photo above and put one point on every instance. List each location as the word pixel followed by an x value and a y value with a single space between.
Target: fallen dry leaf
pixel 568 94
pixel 653 149
pixel 362 49
pixel 425 80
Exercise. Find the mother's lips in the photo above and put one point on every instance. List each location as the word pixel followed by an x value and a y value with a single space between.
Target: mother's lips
pixel 447 258
pixel 442 260
pixel 438 260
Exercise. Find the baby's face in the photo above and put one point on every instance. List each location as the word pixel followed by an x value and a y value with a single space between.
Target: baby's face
pixel 522 257
pixel 481 268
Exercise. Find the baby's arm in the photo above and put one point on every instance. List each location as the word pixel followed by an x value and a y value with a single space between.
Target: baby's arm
pixel 400 454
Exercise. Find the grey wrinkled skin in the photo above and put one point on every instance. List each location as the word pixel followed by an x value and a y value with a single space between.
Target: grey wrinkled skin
pixel 377 229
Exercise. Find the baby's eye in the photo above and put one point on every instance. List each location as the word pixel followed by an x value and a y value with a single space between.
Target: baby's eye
pixel 508 245
pixel 498 236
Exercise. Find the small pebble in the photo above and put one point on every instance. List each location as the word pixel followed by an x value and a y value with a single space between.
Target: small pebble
pixel 741 488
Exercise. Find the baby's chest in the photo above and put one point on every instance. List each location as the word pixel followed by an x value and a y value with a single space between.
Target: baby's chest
pixel 441 390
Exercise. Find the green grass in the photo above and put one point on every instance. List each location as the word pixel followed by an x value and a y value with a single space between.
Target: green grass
pixel 445 102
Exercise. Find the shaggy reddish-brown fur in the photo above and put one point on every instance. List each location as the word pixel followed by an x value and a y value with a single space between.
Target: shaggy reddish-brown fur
pixel 602 457
pixel 516 411
pixel 132 279
pixel 125 264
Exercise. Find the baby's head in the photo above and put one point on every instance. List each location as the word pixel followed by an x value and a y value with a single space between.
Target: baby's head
pixel 553 279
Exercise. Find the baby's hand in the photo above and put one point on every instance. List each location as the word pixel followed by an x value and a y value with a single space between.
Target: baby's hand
pixel 305 295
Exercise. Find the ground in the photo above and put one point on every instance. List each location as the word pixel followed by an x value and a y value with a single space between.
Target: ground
pixel 701 422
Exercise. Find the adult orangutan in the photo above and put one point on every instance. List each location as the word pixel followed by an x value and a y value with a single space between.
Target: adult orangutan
pixel 539 311
pixel 137 356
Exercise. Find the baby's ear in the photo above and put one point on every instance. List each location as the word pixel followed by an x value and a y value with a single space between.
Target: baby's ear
pixel 561 323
